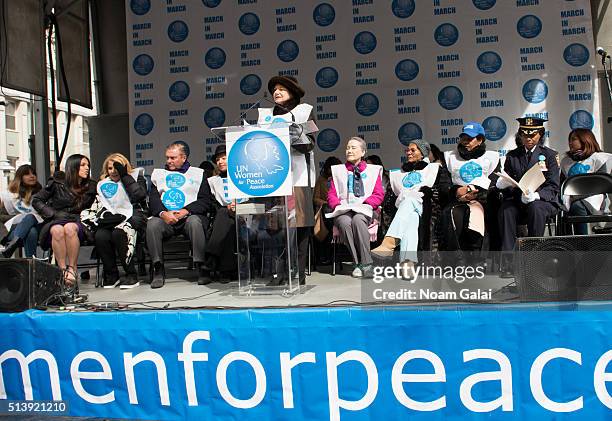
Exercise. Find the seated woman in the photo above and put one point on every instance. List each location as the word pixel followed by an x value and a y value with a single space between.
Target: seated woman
pixel 221 246
pixel 417 178
pixel 60 204
pixel 584 157
pixel 355 192
pixel 118 218
pixel 17 201
pixel 472 170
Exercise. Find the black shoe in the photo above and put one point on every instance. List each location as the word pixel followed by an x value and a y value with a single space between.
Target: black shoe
pixel 203 275
pixel 157 276
pixel 111 280
pixel 11 246
pixel 142 270
pixel 130 281
pixel 302 278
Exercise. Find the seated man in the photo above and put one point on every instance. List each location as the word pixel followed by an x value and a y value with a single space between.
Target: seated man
pixel 537 205
pixel 178 200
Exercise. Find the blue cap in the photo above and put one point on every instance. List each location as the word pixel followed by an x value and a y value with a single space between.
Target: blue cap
pixel 473 129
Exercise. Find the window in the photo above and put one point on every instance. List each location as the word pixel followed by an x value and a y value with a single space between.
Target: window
pixel 10 115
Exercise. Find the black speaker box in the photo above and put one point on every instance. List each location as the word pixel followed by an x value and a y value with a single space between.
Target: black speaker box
pixel 564 268
pixel 27 283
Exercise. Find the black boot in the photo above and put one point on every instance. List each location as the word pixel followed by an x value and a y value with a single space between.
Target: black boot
pixel 11 246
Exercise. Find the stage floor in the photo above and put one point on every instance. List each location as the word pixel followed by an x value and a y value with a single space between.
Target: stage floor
pixel 182 291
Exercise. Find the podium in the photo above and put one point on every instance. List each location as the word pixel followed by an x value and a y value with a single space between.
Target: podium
pixel 260 181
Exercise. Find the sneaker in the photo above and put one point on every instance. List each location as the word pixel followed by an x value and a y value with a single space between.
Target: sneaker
pixel 157 276
pixel 357 272
pixel 367 271
pixel 111 281
pixel 130 281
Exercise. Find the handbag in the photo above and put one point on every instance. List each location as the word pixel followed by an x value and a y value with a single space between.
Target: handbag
pixel 320 230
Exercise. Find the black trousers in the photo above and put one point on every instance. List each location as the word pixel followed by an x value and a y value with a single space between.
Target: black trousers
pixel 303 235
pixel 512 210
pixel 222 242
pixel 457 236
pixel 110 244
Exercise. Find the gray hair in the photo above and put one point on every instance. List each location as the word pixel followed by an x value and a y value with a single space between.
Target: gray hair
pixel 362 143
pixel 181 146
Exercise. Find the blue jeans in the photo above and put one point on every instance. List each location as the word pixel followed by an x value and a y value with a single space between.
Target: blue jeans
pixel 27 230
pixel 578 208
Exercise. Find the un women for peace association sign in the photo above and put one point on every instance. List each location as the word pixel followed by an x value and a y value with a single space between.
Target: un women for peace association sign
pixel 258 162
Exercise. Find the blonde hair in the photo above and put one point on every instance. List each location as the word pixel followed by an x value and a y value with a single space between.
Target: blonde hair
pixel 115 157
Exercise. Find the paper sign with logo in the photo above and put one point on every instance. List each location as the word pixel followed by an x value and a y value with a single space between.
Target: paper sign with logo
pixel 258 162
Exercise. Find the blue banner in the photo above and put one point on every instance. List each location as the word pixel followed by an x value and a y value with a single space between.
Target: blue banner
pixel 320 363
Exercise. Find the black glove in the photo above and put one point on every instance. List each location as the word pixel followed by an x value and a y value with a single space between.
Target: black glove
pixel 121 170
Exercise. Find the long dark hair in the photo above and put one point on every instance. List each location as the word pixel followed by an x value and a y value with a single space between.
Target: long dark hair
pixel 326 170
pixel 71 169
pixel 17 187
pixel 587 140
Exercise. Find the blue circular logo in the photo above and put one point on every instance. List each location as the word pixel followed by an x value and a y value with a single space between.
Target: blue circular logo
pixel 178 31
pixel 578 168
pixel 211 3
pixel 489 62
pixel 258 163
pixel 248 23
pixel 143 124
pixel 215 58
pixel 366 104
pixel 470 171
pixel 143 64
pixel 250 84
pixel 581 119
pixel 179 91
pixel 364 42
pixel 324 14
pixel 484 4
pixel 326 77
pixel 529 26
pixel 109 189
pixel 173 199
pixel 495 128
pixel 328 140
pixel 403 8
pixel 287 50
pixel 140 7
pixel 576 55
pixel 214 117
pixel 450 98
pixel 446 34
pixel 535 91
pixel 409 132
pixel 412 179
pixel 175 180
pixel 406 70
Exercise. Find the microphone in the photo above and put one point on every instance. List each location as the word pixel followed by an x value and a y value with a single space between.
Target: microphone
pixel 602 52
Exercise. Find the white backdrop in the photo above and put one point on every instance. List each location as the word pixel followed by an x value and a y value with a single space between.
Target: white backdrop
pixel 388 71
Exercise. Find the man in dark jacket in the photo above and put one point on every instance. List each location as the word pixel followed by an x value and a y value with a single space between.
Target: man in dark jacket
pixel 537 206
pixel 178 200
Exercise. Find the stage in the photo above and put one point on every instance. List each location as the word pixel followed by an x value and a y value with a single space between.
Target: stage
pixel 321 289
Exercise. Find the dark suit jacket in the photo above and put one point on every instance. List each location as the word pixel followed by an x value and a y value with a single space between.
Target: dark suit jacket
pixel 516 165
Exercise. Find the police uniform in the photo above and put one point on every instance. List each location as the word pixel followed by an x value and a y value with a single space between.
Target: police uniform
pixel 518 162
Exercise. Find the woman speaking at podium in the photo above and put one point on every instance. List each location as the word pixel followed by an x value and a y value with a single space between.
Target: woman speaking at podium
pixel 287 94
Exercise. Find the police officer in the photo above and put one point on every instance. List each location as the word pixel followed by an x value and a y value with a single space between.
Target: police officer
pixel 537 206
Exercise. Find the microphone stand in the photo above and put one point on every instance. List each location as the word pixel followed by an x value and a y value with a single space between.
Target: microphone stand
pixel 607 76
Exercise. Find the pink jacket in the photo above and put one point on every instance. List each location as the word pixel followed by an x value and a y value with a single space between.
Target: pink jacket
pixel 375 200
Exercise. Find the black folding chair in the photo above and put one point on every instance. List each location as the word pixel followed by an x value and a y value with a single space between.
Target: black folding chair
pixel 584 185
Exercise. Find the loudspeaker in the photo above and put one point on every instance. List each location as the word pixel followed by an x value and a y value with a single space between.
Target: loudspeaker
pixel 564 268
pixel 27 283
